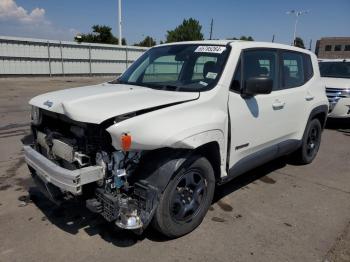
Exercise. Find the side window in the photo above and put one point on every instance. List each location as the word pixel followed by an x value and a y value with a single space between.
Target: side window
pixel 260 63
pixel 292 70
pixel 163 69
pixel 309 70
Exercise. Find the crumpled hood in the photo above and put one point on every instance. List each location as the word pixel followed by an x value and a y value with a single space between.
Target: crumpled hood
pixel 95 104
pixel 336 82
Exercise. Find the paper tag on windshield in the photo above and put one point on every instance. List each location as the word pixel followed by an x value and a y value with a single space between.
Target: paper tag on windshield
pixel 210 49
pixel 211 75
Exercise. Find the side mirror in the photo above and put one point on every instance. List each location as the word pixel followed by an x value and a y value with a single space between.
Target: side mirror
pixel 257 85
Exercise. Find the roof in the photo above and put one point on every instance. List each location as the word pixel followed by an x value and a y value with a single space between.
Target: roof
pixel 334 60
pixel 202 42
pixel 335 38
pixel 243 44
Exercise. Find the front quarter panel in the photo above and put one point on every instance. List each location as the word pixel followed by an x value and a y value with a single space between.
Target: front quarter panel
pixel 186 125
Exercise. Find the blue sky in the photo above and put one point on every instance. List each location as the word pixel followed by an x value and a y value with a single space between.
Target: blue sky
pixel 61 19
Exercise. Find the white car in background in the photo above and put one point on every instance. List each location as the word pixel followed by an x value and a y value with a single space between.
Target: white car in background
pixel 336 76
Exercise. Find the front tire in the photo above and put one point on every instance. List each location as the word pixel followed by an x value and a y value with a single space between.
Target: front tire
pixel 310 143
pixel 186 199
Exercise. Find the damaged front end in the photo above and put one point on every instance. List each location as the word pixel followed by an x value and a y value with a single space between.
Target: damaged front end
pixel 130 205
pixel 73 159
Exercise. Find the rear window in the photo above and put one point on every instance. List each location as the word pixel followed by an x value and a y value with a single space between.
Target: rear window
pixel 293 73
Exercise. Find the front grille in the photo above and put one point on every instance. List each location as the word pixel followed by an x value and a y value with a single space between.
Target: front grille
pixel 83 137
pixel 110 205
pixel 334 95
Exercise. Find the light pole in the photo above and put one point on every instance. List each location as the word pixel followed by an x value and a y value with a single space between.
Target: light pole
pixel 120 21
pixel 297 14
pixel 211 28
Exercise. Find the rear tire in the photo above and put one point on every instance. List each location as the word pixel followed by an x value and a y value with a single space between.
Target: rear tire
pixel 310 143
pixel 186 199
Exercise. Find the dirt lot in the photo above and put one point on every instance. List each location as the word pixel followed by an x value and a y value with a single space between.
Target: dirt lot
pixel 278 212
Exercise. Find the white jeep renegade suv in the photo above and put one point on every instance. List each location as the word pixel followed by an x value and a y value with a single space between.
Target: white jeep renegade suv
pixel 335 75
pixel 152 145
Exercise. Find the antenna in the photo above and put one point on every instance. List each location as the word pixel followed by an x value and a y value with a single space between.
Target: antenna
pixel 120 21
pixel 310 44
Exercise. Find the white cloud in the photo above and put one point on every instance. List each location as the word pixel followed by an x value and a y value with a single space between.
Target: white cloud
pixel 17 21
pixel 11 12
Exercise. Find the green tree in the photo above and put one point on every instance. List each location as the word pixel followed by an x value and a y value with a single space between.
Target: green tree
pixel 147 42
pixel 100 34
pixel 246 38
pixel 189 30
pixel 299 42
pixel 243 37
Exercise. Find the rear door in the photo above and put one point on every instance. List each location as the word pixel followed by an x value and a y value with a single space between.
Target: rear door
pixel 294 90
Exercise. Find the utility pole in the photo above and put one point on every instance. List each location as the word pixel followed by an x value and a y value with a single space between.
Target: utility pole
pixel 211 28
pixel 310 44
pixel 297 14
pixel 120 21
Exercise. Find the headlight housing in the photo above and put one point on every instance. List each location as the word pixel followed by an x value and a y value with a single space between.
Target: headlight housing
pixel 346 93
pixel 36 116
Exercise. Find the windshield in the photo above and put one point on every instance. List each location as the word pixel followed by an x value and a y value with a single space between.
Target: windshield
pixel 335 69
pixel 183 67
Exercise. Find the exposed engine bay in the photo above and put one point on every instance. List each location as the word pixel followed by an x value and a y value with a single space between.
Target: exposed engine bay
pixel 116 195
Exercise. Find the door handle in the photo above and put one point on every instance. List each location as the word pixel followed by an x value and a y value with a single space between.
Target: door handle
pixel 309 98
pixel 277 105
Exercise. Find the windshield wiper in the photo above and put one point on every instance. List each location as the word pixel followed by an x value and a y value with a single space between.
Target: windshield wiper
pixel 160 87
pixel 117 81
pixel 336 76
pixel 172 87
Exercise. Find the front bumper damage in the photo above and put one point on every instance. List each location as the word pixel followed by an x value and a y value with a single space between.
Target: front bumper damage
pixel 67 180
pixel 133 210
pixel 128 213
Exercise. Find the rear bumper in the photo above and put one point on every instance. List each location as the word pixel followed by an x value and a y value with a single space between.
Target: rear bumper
pixel 67 180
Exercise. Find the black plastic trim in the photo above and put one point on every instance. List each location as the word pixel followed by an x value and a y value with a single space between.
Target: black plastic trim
pixel 261 157
pixel 317 110
pixel 157 167
pixel 241 146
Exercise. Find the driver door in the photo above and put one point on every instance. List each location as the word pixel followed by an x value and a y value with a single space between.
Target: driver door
pixel 257 121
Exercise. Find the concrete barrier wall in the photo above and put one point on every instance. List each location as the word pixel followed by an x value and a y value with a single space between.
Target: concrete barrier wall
pixel 27 56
